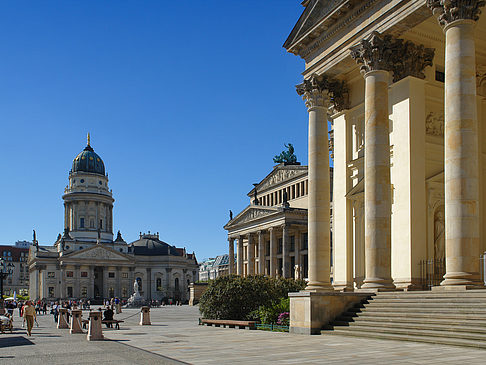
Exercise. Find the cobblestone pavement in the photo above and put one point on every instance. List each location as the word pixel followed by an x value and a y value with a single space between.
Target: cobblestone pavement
pixel 175 334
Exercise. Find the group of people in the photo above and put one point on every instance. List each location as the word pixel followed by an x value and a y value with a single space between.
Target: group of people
pixel 27 311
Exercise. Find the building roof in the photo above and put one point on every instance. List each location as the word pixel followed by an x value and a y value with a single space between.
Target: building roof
pixel 150 245
pixel 88 161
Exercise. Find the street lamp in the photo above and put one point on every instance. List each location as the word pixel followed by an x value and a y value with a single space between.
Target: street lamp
pixel 6 269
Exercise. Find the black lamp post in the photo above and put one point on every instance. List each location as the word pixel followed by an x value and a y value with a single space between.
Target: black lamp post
pixel 6 269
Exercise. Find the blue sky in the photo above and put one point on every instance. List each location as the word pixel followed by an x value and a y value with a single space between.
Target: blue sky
pixel 186 102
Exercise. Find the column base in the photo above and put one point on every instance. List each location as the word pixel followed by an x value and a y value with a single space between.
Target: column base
pixel 378 284
pixel 319 286
pixel 457 287
pixel 408 284
pixel 462 279
pixel 312 311
pixel 343 286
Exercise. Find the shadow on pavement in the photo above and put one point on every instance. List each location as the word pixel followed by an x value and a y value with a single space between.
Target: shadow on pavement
pixel 14 341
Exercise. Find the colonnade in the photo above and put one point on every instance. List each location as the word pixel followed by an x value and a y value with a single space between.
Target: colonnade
pixel 380 57
pixel 275 251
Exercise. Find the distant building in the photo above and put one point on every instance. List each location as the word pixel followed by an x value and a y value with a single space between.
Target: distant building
pixel 23 244
pixel 87 262
pixel 19 280
pixel 212 268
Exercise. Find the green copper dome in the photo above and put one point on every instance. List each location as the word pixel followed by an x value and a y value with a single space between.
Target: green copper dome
pixel 88 161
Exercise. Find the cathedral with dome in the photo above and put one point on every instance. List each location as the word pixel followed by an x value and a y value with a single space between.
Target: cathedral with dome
pixel 86 262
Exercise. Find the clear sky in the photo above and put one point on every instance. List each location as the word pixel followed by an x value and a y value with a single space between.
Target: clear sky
pixel 187 102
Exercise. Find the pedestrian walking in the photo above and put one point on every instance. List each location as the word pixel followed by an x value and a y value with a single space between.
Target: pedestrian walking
pixel 30 316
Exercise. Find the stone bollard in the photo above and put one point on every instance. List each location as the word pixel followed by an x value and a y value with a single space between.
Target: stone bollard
pixel 76 316
pixel 145 317
pixel 61 319
pixel 95 332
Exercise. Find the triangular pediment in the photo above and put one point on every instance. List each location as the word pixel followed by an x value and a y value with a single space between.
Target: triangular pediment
pixel 315 11
pixel 98 253
pixel 280 174
pixel 251 213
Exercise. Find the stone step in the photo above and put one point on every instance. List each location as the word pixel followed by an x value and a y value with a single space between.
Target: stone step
pixel 426 304
pixel 416 332
pixel 417 326
pixel 481 293
pixel 423 310
pixel 402 319
pixel 441 316
pixel 424 339
pixel 438 301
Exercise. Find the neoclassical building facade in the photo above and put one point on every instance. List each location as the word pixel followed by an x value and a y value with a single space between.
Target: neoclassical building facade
pixel 404 85
pixel 86 262
pixel 271 232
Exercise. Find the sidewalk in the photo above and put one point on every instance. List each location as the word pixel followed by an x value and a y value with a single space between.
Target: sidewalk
pixel 175 334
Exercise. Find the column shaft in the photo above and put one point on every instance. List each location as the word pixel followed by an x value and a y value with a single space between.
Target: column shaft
pixel 319 205
pixel 461 156
pixel 239 256
pixel 285 252
pixel 377 182
pixel 273 254
pixel 261 254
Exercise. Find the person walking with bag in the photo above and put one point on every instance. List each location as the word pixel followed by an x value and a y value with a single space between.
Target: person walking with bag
pixel 29 316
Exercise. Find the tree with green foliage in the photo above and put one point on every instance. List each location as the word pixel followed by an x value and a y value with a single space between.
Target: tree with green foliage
pixel 236 297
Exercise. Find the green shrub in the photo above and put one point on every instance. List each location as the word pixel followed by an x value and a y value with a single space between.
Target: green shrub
pixel 236 297
pixel 269 314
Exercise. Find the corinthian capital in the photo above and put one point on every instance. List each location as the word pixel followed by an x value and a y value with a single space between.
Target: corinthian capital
pixel 314 92
pixel 374 53
pixel 410 59
pixel 320 91
pixel 448 11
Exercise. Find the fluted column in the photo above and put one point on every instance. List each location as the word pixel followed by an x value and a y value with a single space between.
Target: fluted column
pixel 374 54
pixel 251 254
pixel 239 256
pixel 273 253
pixel 261 254
pixel 231 253
pixel 314 93
pixel 458 18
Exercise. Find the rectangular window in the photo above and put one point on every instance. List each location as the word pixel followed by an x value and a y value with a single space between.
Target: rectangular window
pixel 439 76
pixel 124 275
pixel 101 223
pixel 51 292
pixel 81 222
pixel 124 292
pixel 84 274
pixel 84 291
pixel 111 275
pixel 70 291
pixel 51 274
pixel 280 245
pixel 267 248
pixel 292 243
pixel 69 274
pixel 111 292
pixel 91 223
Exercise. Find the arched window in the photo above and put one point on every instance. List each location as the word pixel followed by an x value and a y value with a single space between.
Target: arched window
pixel 159 284
pixel 139 282
pixel 176 284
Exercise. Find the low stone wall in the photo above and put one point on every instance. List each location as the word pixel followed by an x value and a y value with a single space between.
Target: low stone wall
pixel 311 311
pixel 196 290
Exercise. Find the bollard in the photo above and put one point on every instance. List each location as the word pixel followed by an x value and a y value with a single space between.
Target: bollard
pixel 76 316
pixel 145 317
pixel 95 332
pixel 61 319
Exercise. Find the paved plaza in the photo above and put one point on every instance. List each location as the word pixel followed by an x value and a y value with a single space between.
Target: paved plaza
pixel 175 337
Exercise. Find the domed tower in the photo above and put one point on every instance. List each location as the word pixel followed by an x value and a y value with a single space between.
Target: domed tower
pixel 88 203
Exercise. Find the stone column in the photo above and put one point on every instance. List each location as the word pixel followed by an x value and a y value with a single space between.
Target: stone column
pixel 273 252
pixel 374 53
pixel 118 282
pixel 458 18
pixel 285 252
pixel 77 282
pixel 261 254
pixel 314 92
pixel 231 253
pixel 239 256
pixel 63 283
pixel 91 282
pixel 251 255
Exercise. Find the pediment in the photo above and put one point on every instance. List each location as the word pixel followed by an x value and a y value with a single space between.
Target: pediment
pixel 98 253
pixel 279 175
pixel 251 213
pixel 315 11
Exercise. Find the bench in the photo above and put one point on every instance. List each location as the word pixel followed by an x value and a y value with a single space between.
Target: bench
pixel 104 321
pixel 251 325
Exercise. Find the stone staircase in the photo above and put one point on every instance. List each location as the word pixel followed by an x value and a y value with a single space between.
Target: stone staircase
pixel 448 318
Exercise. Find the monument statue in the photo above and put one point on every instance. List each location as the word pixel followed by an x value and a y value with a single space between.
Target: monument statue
pixel 231 214
pixel 439 242
pixel 135 287
pixel 286 157
pixel 136 300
